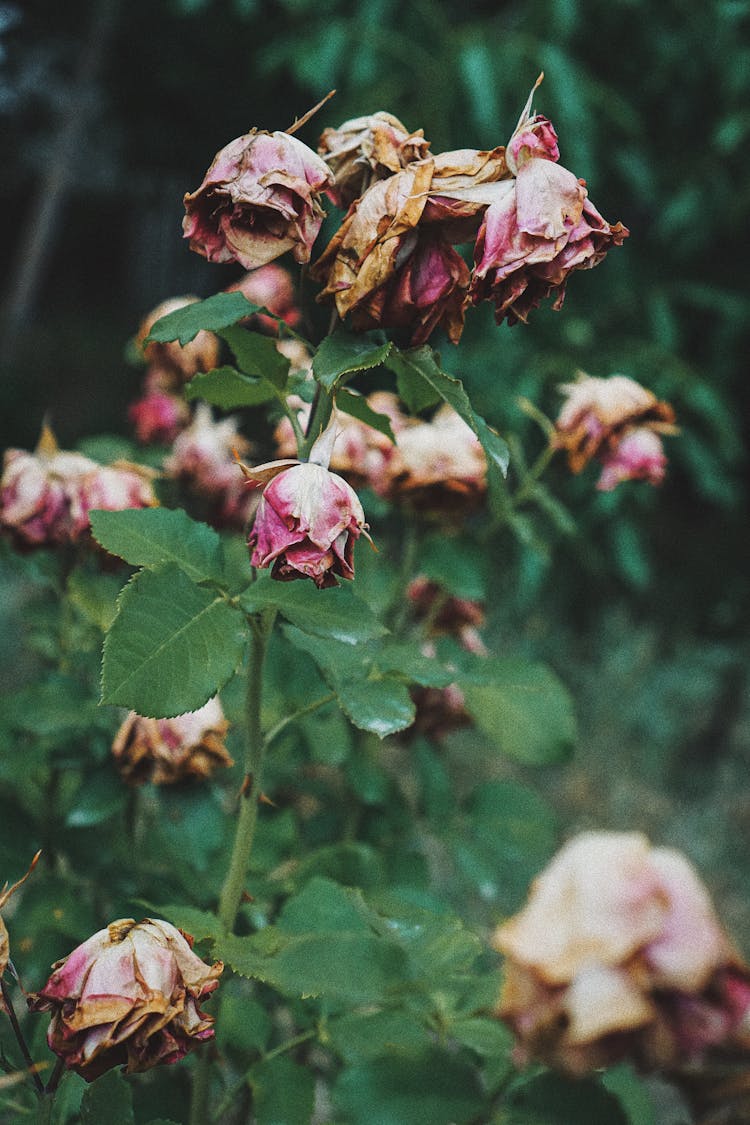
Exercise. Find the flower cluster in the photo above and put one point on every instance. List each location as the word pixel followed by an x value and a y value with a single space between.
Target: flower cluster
pixel 46 496
pixel 165 751
pixel 128 996
pixel 617 422
pixel 393 261
pixel 619 953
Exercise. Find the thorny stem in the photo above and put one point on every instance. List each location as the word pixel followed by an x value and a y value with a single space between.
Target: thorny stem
pixel 234 882
pixel 31 1065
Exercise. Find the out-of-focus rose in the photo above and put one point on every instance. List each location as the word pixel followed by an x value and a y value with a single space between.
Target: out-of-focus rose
pixel 5 894
pixel 540 228
pixel 46 496
pixel 165 751
pixel 440 466
pixel 297 353
pixel 447 615
pixel 259 198
pixel 203 458
pixel 128 996
pixel 172 364
pixel 272 287
pixel 616 421
pixel 619 953
pixel 366 149
pixel 306 524
pixel 639 455
pixel 158 417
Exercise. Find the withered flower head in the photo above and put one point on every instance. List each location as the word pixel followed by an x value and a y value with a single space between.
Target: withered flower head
pixel 128 996
pixel 617 954
pixel 365 149
pixel 166 751
pixel 259 198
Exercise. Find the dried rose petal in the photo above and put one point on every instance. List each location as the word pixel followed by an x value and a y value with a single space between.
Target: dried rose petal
pixel 165 751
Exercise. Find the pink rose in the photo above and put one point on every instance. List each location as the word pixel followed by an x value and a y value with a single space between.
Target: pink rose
pixel 306 524
pixel 158 417
pixel 128 996
pixel 618 422
pixel 272 287
pixel 540 228
pixel 440 464
pixel 619 953
pixel 165 751
pixel 203 458
pixel 259 198
pixel 46 496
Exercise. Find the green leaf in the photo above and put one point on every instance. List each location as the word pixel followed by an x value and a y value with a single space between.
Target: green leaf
pixel 336 612
pixel 95 596
pixel 229 389
pixel 153 536
pixel 359 408
pixel 108 1099
pixel 374 702
pixel 432 1087
pixel 367 1035
pixel 525 710
pixel 99 797
pixel 552 1099
pixel 257 355
pixel 344 353
pixel 632 1094
pixel 421 363
pixel 323 906
pixel 51 707
pixel 355 968
pixel 283 1092
pixel 245 1026
pixel 172 646
pixel 489 1038
pixel 456 564
pixel 214 313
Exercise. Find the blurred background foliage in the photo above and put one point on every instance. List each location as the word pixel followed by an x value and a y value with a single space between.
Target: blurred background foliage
pixel 109 112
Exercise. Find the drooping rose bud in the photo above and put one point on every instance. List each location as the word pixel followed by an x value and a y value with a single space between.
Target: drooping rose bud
pixel 5 894
pixel 306 525
pixel 259 198
pixel 46 496
pixel 172 364
pixel 618 954
pixel 616 421
pixel 366 149
pixel 539 230
pixel 165 751
pixel 203 458
pixel 158 417
pixel 272 287
pixel 128 996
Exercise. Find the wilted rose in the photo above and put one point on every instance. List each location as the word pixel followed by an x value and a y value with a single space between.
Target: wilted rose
pixel 158 417
pixel 440 465
pixel 203 458
pixel 619 953
pixel 616 421
pixel 365 149
pixel 272 287
pixel 447 615
pixel 165 751
pixel 539 230
pixel 172 364
pixel 306 524
pixel 46 496
pixel 259 198
pixel 128 996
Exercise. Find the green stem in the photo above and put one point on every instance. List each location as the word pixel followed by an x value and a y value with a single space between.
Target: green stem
pixel 319 418
pixel 20 1039
pixel 234 881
